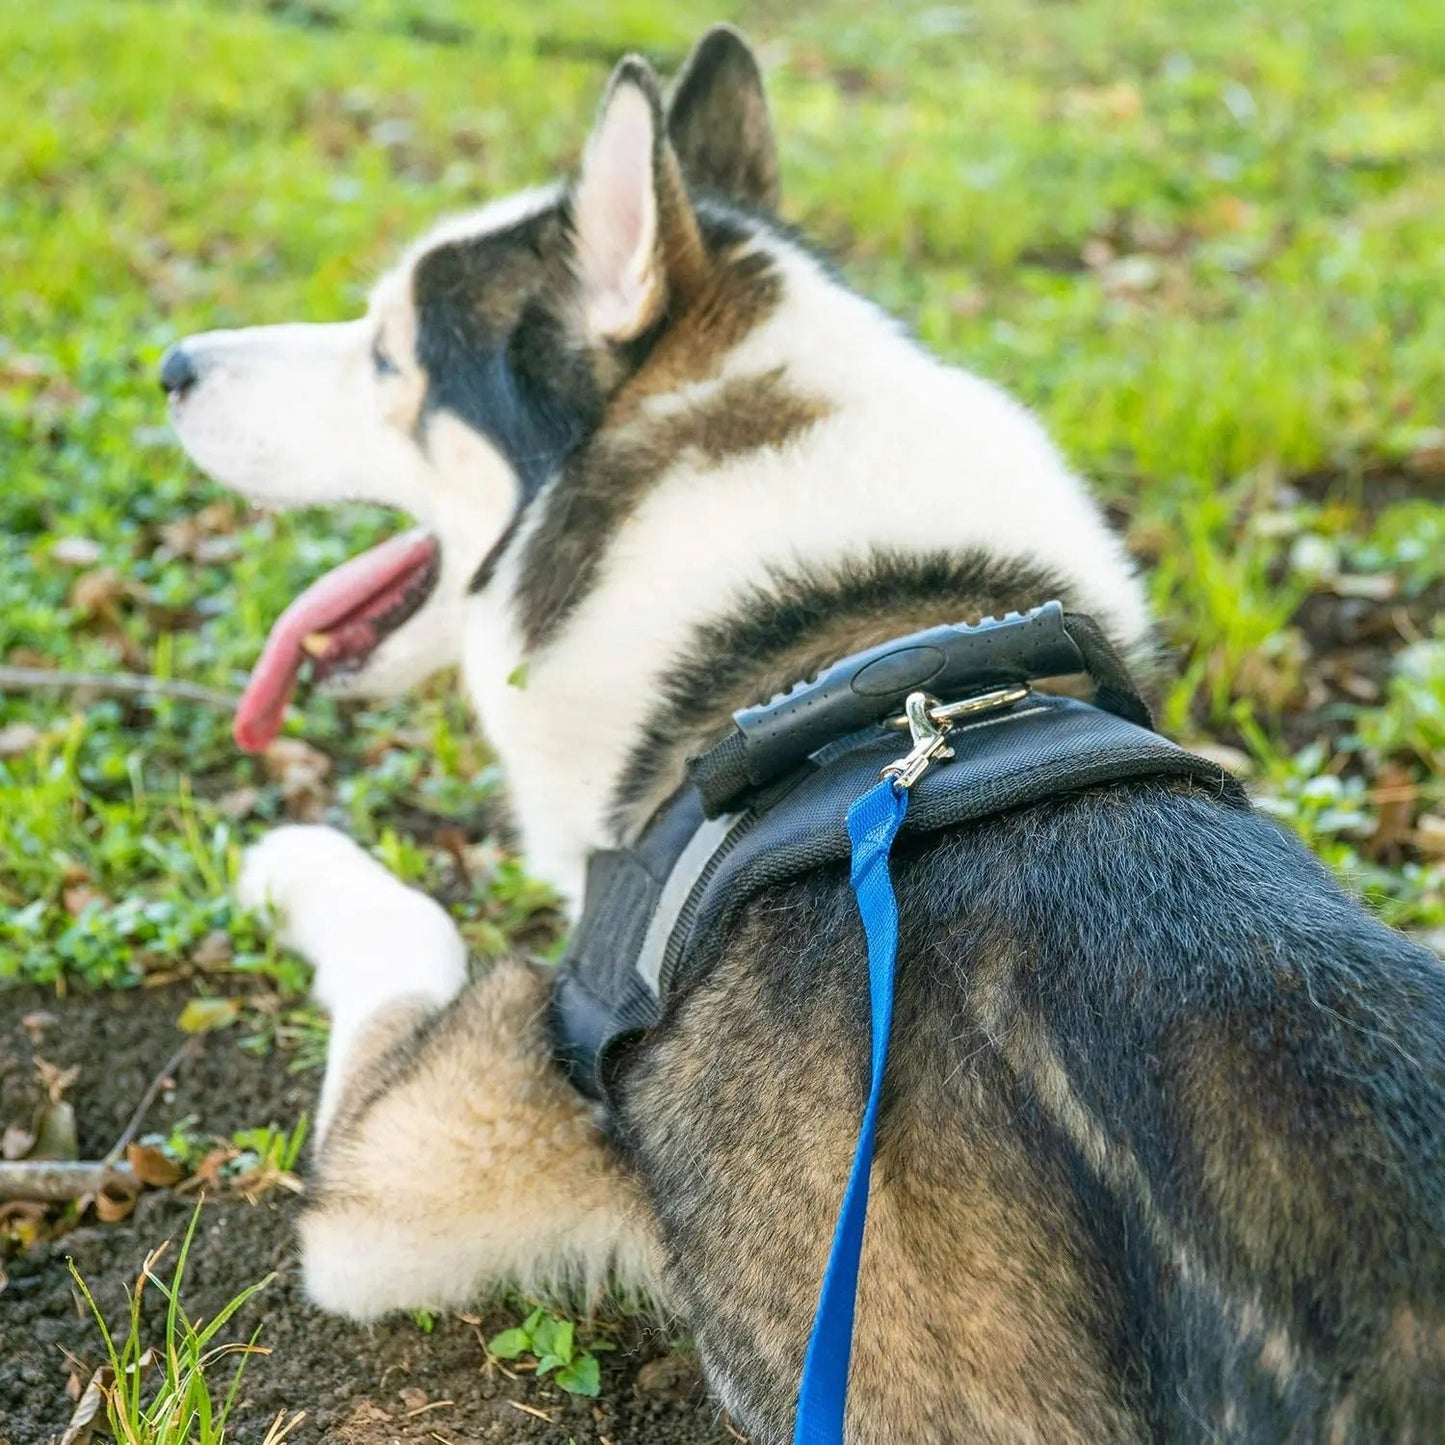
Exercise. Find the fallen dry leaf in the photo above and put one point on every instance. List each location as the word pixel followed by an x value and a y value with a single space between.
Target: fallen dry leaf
pixel 79 896
pixel 95 594
pixel 238 803
pixel 202 1015
pixel 1427 456
pixel 18 738
pixel 22 1222
pixel 76 552
pixel 116 1201
pixel 16 1142
pixel 36 1023
pixel 53 1079
pixel 301 771
pixel 1395 796
pixel 87 1414
pixel 152 1167
pixel 674 1377
pixel 214 950
pixel 207 1174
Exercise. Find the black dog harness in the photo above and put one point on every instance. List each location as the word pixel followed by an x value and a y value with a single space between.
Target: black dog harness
pixel 769 802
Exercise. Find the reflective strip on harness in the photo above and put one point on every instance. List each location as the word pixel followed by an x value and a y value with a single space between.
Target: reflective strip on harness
pixel 686 873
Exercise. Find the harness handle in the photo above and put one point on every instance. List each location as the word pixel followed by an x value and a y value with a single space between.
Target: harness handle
pixel 772 740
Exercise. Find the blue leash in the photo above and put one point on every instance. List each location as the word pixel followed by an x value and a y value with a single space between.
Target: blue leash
pixel 873 823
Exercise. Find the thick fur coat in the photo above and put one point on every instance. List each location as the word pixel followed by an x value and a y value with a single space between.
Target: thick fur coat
pixel 1162 1153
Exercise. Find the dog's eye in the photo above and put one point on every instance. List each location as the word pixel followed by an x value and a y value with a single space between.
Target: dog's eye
pixel 383 363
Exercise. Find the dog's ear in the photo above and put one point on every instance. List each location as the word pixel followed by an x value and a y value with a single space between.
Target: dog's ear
pixel 718 121
pixel 635 235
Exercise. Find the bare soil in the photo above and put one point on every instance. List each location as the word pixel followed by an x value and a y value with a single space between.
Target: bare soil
pixel 358 1385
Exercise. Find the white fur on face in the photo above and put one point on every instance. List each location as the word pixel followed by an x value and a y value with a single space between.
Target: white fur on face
pixel 296 415
pixel 293 416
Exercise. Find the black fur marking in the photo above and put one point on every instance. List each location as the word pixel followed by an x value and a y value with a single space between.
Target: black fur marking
pixel 494 353
pixel 718 122
pixel 727 658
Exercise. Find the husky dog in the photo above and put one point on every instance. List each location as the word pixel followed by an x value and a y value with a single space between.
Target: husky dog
pixel 1162 1153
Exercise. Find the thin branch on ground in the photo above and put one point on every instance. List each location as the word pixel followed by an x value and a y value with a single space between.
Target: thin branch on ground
pixel 125 684
pixel 55 1181
pixel 187 1050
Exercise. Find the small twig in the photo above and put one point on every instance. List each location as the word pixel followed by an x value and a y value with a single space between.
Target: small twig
pixel 528 1410
pixel 187 1049
pixel 131 684
pixel 57 1180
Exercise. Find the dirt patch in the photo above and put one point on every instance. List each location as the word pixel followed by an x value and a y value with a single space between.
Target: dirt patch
pixel 358 1385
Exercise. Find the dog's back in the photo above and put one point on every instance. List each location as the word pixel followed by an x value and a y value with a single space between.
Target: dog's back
pixel 1161 1149
pixel 1162 1153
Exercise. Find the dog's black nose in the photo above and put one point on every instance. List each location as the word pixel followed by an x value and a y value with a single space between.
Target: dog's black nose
pixel 178 371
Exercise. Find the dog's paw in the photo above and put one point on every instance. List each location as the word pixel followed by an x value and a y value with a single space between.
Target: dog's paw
pixel 292 866
pixel 368 936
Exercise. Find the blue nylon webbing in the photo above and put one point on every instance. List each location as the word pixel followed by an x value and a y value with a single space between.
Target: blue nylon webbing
pixel 873 822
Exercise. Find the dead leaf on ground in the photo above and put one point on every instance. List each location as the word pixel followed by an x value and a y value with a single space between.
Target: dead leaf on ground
pixel 79 896
pixel 207 1174
pixel 22 1222
pixel 675 1377
pixel 18 738
pixel 53 1079
pixel 97 593
pixel 1426 457
pixel 203 1015
pixel 238 803
pixel 36 1023
pixel 116 1201
pixel 214 950
pixel 89 1411
pixel 1395 796
pixel 76 552
pixel 152 1167
pixel 454 842
pixel 16 1142
pixel 301 771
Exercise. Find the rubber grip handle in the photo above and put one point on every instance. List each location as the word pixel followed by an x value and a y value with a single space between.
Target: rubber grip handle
pixel 870 686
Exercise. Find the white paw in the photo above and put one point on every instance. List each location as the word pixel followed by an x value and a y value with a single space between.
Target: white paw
pixel 369 937
pixel 294 866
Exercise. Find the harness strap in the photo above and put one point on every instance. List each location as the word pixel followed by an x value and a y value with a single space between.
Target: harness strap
pixel 771 740
pixel 873 823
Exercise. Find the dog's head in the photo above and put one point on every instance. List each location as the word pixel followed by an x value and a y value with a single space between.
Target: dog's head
pixel 484 360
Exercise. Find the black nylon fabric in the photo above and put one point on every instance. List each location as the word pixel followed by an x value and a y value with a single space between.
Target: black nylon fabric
pixel 597 994
pixel 1044 748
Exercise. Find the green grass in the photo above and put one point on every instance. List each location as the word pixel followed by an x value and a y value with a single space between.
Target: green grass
pixel 166 1390
pixel 1203 240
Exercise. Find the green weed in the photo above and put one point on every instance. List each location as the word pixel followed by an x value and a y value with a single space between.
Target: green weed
pixel 552 1342
pixel 169 1394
